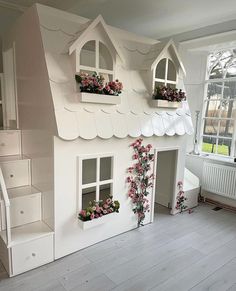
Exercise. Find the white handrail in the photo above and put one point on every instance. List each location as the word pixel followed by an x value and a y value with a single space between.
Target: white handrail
pixel 7 208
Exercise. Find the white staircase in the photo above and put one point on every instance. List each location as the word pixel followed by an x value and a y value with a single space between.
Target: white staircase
pixel 26 241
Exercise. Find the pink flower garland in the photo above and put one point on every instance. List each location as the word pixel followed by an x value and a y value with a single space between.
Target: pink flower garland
pixel 180 198
pixel 139 180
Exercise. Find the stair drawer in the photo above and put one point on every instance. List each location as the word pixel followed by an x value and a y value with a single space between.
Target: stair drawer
pixel 16 173
pixel 32 254
pixel 25 209
pixel 10 142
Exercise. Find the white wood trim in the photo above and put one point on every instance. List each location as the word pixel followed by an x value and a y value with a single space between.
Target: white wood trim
pixel 90 28
pixel 15 84
pixel 169 44
pixel 222 80
pixel 163 149
pixel 79 183
pixel 97 178
pixel 90 185
pixel 166 70
pixel 97 183
pixel 3 99
pixel 97 54
pixel 96 69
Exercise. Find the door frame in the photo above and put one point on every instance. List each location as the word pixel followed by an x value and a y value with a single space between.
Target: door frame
pixel 164 149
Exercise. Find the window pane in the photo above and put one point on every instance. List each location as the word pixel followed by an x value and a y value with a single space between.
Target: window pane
pixel 105 58
pixel 90 73
pixel 89 171
pixel 105 168
pixel 212 109
pixel 229 90
pixel 225 58
pixel 173 86
pixel 226 128
pixel 210 126
pixel 214 90
pixel 209 145
pixel 224 147
pixel 227 108
pixel 234 111
pixel 88 194
pixel 107 77
pixel 231 70
pixel 216 72
pixel 105 191
pixel 171 73
pixel 159 84
pixel 87 54
pixel 161 69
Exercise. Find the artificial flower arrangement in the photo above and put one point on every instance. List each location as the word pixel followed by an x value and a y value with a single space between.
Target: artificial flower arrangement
pixel 180 203
pixel 98 209
pixel 169 94
pixel 96 84
pixel 140 181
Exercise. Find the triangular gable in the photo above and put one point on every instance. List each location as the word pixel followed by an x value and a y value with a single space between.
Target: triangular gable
pixel 162 48
pixel 91 26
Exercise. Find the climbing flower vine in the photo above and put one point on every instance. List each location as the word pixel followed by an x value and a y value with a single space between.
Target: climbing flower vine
pixel 140 181
pixel 180 203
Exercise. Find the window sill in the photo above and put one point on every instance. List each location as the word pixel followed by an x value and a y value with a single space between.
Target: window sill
pixel 99 98
pixel 97 221
pixel 213 158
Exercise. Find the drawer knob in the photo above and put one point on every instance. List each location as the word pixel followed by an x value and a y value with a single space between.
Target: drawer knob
pixel 21 212
pixel 33 255
pixel 2 144
pixel 11 175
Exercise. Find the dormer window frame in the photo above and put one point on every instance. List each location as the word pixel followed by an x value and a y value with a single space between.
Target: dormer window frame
pixel 97 69
pixel 165 81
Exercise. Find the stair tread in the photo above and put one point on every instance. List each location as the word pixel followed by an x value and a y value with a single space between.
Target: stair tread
pixel 21 191
pixel 27 232
pixel 12 158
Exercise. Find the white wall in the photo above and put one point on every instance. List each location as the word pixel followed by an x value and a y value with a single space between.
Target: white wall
pixel 69 237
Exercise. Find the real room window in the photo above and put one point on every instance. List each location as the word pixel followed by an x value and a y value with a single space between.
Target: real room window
pixel 165 74
pixel 95 179
pixel 96 57
pixel 218 124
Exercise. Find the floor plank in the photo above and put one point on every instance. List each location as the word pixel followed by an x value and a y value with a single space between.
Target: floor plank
pixel 184 252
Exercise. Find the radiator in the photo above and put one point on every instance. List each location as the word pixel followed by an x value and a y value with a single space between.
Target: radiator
pixel 219 179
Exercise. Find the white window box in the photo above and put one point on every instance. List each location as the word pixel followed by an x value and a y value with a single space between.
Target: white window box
pixel 96 221
pixel 98 98
pixel 165 103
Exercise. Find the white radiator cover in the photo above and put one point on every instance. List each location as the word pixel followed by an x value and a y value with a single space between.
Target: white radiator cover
pixel 219 179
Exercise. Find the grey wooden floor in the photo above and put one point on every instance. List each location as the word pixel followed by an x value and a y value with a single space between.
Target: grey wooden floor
pixel 184 252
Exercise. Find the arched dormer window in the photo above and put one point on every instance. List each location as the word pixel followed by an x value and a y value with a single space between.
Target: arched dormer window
pixel 165 74
pixel 96 57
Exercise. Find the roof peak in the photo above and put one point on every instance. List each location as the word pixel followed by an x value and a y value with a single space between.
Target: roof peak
pixel 92 24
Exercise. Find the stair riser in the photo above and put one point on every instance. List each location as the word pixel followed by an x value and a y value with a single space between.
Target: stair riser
pixel 16 173
pixel 23 210
pixel 10 142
